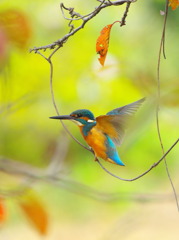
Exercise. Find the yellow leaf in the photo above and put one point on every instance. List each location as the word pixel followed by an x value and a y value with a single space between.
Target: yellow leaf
pixel 35 212
pixel 174 4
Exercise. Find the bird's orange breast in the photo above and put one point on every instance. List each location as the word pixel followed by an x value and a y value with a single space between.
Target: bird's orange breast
pixel 96 140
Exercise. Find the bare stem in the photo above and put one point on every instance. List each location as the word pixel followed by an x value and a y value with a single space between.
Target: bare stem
pixel 162 49
pixel 56 108
pixel 53 98
pixel 144 173
pixel 123 21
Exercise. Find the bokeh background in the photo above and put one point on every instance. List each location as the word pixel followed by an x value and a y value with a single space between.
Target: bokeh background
pixel 142 209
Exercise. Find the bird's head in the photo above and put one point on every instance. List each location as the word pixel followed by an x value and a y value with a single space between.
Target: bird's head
pixel 81 117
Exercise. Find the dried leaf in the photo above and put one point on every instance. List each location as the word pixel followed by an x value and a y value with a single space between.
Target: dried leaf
pixel 2 211
pixel 16 26
pixel 174 4
pixel 102 43
pixel 35 212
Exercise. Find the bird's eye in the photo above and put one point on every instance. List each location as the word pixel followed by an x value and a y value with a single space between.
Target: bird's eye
pixel 78 115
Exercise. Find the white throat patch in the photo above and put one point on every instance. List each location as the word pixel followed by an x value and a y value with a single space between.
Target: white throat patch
pixel 90 120
pixel 78 123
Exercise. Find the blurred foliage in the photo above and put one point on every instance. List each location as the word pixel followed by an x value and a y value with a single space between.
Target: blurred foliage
pixel 28 135
pixel 35 212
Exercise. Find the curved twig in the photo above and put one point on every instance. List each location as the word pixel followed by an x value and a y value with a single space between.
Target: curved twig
pixel 56 108
pixel 162 49
pixel 75 14
pixel 144 173
pixel 123 21
pixel 53 98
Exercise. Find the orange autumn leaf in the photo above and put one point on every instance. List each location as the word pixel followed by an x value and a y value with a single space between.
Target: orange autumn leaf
pixel 35 212
pixel 102 43
pixel 16 26
pixel 174 4
pixel 2 211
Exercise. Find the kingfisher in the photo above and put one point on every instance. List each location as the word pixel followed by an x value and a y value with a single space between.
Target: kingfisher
pixel 104 132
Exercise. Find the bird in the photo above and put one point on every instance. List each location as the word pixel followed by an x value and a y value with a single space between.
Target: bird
pixel 104 132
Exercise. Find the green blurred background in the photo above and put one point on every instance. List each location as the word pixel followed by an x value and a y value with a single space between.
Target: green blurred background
pixel 130 73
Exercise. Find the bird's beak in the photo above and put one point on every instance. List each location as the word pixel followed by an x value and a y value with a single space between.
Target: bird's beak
pixel 63 117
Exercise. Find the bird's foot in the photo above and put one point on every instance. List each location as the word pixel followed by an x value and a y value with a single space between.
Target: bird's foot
pixel 96 159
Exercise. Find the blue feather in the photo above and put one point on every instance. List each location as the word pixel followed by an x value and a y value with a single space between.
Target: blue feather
pixel 127 109
pixel 112 152
pixel 87 127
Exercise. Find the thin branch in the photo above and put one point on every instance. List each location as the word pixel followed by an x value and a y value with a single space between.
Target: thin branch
pixel 76 16
pixel 143 174
pixel 81 189
pixel 162 49
pixel 123 21
pixel 53 98
pixel 85 18
pixel 56 108
pixel 33 174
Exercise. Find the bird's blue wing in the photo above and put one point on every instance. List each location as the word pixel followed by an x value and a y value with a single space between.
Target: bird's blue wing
pixel 114 123
pixel 112 152
pixel 127 109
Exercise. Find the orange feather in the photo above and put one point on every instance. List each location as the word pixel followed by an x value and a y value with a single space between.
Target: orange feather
pixel 96 140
